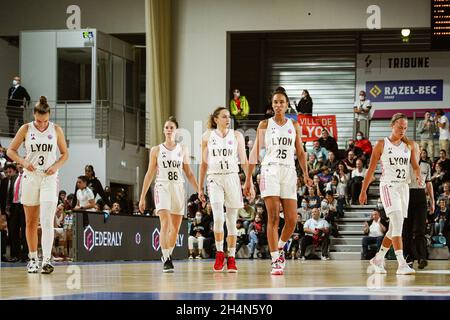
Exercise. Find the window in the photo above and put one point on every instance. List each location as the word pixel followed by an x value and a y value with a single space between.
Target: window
pixel 74 74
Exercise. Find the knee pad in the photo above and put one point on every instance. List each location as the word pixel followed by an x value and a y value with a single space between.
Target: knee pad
pixel 219 217
pixel 231 217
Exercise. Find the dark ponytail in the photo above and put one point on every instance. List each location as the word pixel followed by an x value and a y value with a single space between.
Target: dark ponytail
pixel 42 106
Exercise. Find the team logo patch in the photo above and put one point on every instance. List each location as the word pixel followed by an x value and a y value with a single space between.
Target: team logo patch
pixel 289 131
pixel 50 137
pixel 179 154
pixel 155 239
pixel 33 137
pixel 163 154
pixel 230 142
pixel 406 150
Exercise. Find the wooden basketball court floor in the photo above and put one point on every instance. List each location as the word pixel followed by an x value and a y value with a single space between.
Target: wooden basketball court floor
pixel 195 280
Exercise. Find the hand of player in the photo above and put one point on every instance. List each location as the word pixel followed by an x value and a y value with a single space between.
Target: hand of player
pixel 28 166
pixel 51 171
pixel 432 208
pixel 142 206
pixel 247 186
pixel 419 180
pixel 308 181
pixel 362 198
pixel 252 194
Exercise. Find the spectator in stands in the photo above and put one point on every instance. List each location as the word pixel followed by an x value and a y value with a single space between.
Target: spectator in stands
pixel 18 99
pixel 365 145
pixel 313 164
pixel 357 152
pixel 338 193
pixel 246 214
pixel 316 233
pixel 301 189
pixel 441 219
pixel 328 211
pixel 343 176
pixel 324 176
pixel 320 188
pixel 356 181
pixel 122 199
pixel 3 160
pixel 328 142
pixel 109 197
pixel 319 151
pixel 294 243
pixel 269 110
pixel 305 105
pixel 438 178
pixel 312 198
pixel 443 160
pixel 116 209
pixel 444 134
pixel 59 240
pixel 94 184
pixel 85 196
pixel 257 234
pixel 374 231
pixel 241 236
pixel 446 192
pixel 239 107
pixel 197 235
pixel 304 210
pixel 427 129
pixel 332 162
pixel 361 109
pixel 350 161
pixel 62 197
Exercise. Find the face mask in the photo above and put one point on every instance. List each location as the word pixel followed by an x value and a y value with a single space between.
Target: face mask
pixel 304 205
pixel 362 98
pixel 237 95
pixel 359 137
pixel 14 82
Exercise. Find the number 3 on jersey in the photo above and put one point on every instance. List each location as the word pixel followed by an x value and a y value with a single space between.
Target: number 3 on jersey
pixel 41 160
pixel 173 176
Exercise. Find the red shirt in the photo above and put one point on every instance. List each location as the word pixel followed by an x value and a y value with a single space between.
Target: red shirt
pixel 364 145
pixel 238 103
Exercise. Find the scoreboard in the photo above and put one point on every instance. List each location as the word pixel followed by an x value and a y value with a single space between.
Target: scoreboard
pixel 440 24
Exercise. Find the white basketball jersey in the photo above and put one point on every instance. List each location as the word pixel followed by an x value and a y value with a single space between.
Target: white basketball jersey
pixel 395 162
pixel 41 147
pixel 222 153
pixel 170 164
pixel 280 144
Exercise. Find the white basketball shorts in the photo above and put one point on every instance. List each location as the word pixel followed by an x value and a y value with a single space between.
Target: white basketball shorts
pixel 278 181
pixel 395 197
pixel 170 196
pixel 38 187
pixel 226 189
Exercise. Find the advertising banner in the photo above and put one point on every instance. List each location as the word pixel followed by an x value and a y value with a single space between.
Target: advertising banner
pixel 312 126
pixel 122 238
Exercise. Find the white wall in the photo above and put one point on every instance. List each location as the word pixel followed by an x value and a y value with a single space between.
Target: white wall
pixel 38 64
pixel 9 66
pixel 200 34
pixel 110 16
pixel 116 172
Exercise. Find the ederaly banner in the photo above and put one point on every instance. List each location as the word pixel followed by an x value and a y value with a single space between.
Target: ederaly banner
pixel 405 80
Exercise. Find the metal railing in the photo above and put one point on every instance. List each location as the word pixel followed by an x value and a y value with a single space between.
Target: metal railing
pixel 82 120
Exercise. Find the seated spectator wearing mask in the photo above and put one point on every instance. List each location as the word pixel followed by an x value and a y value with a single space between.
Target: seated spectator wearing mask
pixel 317 233
pixel 374 231
pixel 365 145
pixel 328 142
pixel 197 235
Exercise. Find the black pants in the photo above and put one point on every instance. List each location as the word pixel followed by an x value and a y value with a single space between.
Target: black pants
pixel 16 230
pixel 367 241
pixel 308 240
pixel 414 227
pixel 14 114
pixel 3 240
